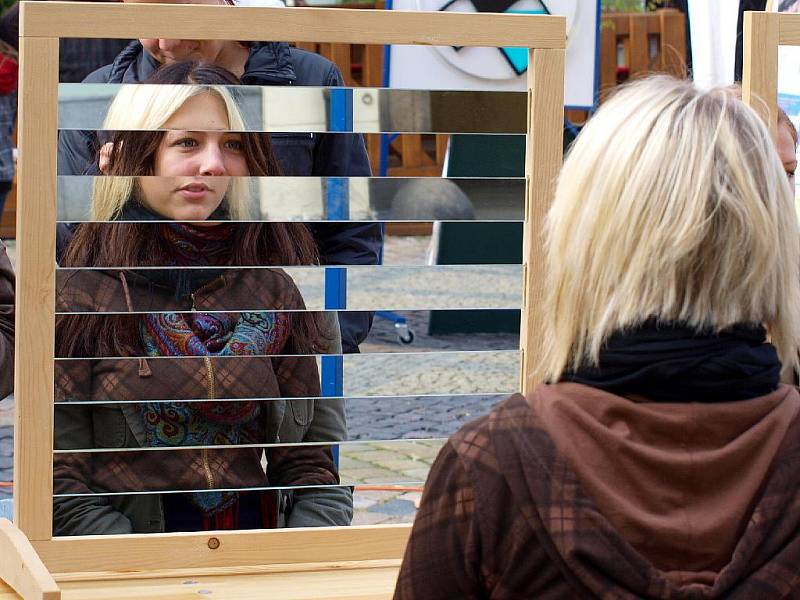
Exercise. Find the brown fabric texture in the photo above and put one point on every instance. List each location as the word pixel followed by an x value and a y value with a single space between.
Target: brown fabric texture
pixel 684 476
pixel 103 426
pixel 7 284
pixel 504 515
pixel 233 291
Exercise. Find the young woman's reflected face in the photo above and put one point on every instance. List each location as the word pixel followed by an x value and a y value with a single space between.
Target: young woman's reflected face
pixel 195 161
pixel 788 153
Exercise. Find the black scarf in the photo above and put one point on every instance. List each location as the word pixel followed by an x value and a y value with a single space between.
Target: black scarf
pixel 182 281
pixel 674 363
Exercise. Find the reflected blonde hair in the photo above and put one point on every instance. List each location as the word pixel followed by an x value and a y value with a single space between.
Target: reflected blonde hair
pixel 149 107
pixel 672 204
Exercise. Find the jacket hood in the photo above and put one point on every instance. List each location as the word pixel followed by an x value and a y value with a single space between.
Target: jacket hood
pixel 269 63
pixel 655 500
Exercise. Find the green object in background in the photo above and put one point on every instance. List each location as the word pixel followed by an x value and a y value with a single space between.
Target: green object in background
pixel 481 243
pixel 477 243
pixel 486 156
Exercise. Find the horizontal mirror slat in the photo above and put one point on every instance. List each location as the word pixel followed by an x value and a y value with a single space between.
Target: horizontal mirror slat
pixel 364 375
pixel 338 199
pixel 295 109
pixel 369 288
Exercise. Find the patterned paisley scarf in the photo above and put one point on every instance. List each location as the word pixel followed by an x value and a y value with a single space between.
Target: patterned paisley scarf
pixel 205 334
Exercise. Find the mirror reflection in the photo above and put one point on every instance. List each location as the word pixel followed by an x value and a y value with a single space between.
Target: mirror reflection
pixel 344 199
pixel 230 351
pixel 200 323
pixel 290 109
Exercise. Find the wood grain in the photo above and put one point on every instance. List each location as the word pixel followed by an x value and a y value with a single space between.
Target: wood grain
pixel 543 158
pixel 21 567
pixel 236 548
pixel 353 26
pixel 35 290
pixel 789 29
pixel 760 66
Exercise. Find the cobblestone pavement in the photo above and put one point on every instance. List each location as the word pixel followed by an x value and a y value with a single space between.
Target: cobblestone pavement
pixel 394 440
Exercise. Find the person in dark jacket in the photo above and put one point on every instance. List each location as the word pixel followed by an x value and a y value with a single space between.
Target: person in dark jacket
pixel 320 155
pixel 660 458
pixel 76 57
pixel 7 282
pixel 205 353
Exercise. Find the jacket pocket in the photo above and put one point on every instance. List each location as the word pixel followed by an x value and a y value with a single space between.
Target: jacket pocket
pixel 302 411
pixel 110 427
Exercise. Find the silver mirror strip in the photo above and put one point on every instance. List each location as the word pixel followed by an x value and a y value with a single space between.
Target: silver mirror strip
pixel 339 199
pixel 441 287
pixel 430 354
pixel 382 399
pixel 290 109
pixel 138 449
pixel 398 482
pixel 368 375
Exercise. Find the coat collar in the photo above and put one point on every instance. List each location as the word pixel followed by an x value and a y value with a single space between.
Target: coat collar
pixel 270 63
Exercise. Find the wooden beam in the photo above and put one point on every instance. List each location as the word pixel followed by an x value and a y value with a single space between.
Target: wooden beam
pixel 789 29
pixel 760 66
pixel 35 314
pixel 543 157
pixel 146 552
pixel 21 568
pixel 353 26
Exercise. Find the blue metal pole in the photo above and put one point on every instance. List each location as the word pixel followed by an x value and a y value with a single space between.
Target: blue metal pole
pixel 337 198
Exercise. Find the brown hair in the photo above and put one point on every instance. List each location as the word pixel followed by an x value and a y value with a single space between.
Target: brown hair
pixel 140 244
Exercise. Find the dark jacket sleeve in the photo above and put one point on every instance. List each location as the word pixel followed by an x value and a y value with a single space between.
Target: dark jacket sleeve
pixel 74 428
pixel 7 284
pixel 76 148
pixel 442 558
pixel 351 243
pixel 320 420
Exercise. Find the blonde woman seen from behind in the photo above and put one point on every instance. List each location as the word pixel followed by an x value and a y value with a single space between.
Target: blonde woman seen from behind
pixel 657 459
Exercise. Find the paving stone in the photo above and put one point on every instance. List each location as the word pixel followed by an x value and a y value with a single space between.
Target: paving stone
pixel 371 475
pixel 365 517
pixel 417 474
pixel 395 507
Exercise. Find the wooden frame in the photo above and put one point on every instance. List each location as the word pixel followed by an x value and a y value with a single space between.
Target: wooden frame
pixel 41 26
pixel 764 33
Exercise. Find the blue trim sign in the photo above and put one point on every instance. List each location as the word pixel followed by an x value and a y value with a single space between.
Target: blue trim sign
pixel 470 68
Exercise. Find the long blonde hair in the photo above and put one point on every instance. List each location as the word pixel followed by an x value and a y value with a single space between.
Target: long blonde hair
pixel 672 204
pixel 149 107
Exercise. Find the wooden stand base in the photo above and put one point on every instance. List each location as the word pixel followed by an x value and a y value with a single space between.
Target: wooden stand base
pixel 22 569
pixel 23 576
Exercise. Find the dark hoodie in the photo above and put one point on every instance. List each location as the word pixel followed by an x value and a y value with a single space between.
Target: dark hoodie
pixel 577 493
pixel 299 154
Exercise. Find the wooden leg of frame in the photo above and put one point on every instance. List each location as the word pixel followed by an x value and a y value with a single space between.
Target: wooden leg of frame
pixel 21 568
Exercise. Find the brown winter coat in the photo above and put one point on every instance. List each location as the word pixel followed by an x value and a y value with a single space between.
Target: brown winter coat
pixel 103 426
pixel 577 493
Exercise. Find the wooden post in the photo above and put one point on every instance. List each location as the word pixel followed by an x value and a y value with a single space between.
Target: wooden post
pixel 543 158
pixel 638 46
pixel 35 315
pixel 760 66
pixel 673 42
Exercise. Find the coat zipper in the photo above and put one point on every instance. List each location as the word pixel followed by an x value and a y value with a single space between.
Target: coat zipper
pixel 204 452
